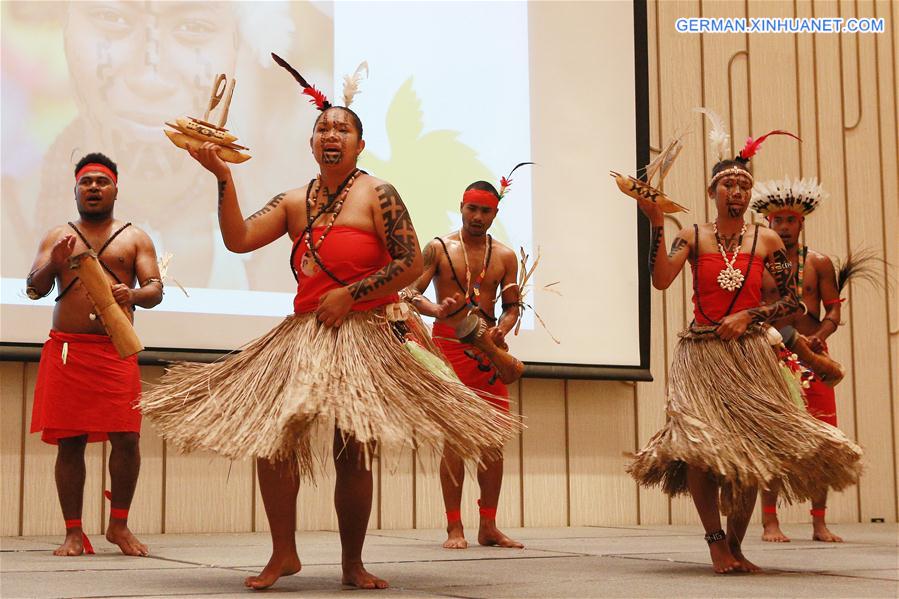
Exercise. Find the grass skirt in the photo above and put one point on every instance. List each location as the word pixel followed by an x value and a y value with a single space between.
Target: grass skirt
pixel 730 413
pixel 266 400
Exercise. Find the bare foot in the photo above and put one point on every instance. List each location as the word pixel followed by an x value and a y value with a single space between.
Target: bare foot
pixel 821 533
pixel 723 560
pixel 278 565
pixel 772 533
pixel 745 564
pixel 72 545
pixel 356 575
pixel 490 535
pixel 455 537
pixel 118 534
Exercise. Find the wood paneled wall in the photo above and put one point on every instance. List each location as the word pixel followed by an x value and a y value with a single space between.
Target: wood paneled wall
pixel 838 92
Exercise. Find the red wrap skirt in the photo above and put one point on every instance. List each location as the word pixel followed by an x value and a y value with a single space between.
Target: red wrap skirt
pixel 475 372
pixel 84 388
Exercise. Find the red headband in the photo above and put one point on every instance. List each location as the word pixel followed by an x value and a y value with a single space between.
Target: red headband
pixel 480 197
pixel 93 166
pixel 796 211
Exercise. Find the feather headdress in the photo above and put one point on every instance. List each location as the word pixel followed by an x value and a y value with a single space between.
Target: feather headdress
pixel 719 138
pixel 351 83
pixel 318 98
pixel 801 196
pixel 506 182
pixel 752 145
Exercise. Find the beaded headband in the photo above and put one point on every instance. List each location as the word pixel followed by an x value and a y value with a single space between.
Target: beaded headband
pixel 734 170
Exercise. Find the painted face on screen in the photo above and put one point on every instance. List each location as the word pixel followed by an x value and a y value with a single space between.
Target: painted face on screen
pixel 788 225
pixel 95 195
pixel 335 140
pixel 477 219
pixel 135 65
pixel 731 195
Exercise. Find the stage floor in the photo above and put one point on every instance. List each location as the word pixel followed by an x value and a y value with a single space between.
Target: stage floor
pixel 647 561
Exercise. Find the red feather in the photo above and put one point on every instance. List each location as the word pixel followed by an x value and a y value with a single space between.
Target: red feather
pixel 752 145
pixel 318 98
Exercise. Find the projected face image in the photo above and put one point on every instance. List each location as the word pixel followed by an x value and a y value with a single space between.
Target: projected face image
pixel 335 140
pixel 135 65
pixel 112 73
pixel 476 220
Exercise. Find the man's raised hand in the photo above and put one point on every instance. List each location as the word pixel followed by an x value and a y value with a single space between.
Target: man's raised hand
pixel 61 251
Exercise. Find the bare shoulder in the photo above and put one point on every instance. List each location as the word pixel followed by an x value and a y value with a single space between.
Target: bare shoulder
pixel 297 194
pixel 56 233
pixel 380 190
pixel 819 261
pixel 139 236
pixel 768 237
pixel 501 250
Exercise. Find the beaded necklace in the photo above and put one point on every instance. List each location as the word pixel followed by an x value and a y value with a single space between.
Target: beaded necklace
pixel 799 279
pixel 473 292
pixel 309 264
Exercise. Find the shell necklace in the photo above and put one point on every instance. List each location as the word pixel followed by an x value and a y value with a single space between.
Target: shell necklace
pixel 730 278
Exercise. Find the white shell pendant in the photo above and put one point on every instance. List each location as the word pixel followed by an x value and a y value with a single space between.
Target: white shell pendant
pixel 308 265
pixel 730 278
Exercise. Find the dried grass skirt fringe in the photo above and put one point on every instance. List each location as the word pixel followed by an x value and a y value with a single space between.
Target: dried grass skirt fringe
pixel 729 412
pixel 266 400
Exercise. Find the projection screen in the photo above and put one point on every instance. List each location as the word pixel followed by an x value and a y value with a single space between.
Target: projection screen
pixel 457 92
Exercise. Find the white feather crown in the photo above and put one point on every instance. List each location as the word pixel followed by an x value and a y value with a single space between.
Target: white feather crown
pixel 801 196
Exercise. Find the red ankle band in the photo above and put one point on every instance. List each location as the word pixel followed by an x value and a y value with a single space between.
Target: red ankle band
pixel 85 542
pixel 118 513
pixel 453 516
pixel 769 509
pixel 488 512
pixel 818 513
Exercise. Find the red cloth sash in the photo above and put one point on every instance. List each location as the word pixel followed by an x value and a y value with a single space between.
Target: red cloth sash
pixel 714 299
pixel 351 254
pixel 821 402
pixel 467 368
pixel 94 392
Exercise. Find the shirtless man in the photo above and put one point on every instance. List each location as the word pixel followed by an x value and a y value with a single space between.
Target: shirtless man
pixel 470 270
pixel 814 280
pixel 85 392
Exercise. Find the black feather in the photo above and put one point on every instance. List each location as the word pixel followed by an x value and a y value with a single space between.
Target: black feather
pixel 296 75
pixel 859 266
pixel 516 166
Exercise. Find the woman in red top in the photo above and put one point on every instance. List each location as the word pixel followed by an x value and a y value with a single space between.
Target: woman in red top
pixel 342 361
pixel 731 425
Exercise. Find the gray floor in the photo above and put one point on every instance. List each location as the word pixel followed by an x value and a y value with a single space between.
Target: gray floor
pixel 560 562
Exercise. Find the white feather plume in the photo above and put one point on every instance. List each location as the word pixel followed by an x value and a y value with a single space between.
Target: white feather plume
pixel 351 83
pixel 719 138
